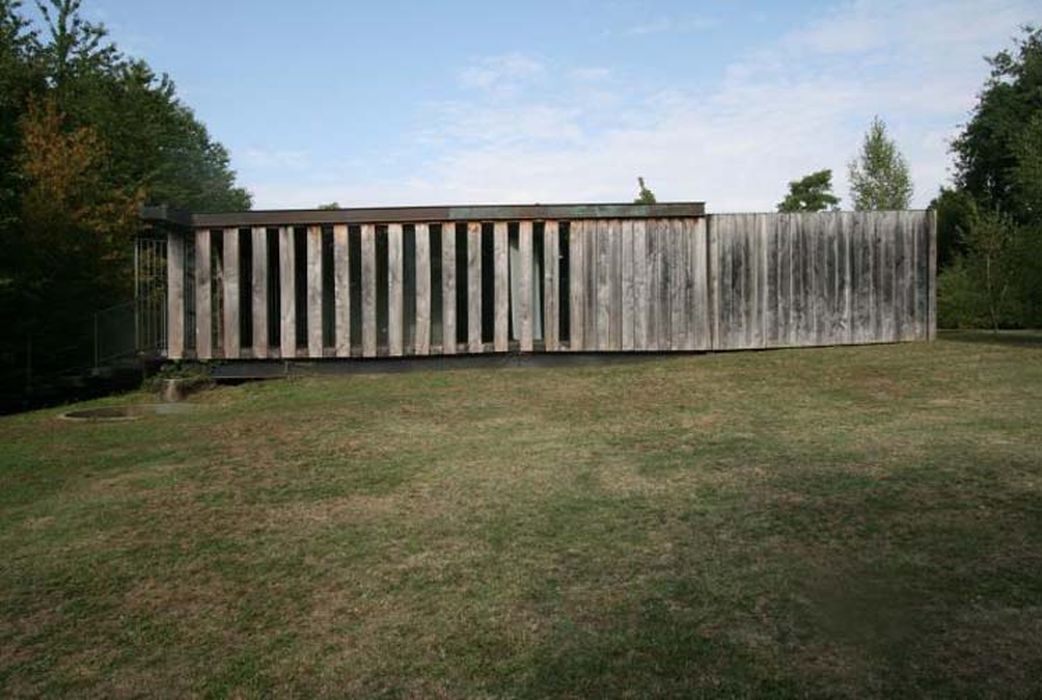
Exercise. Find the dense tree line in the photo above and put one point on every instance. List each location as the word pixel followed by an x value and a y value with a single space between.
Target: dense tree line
pixel 990 221
pixel 87 136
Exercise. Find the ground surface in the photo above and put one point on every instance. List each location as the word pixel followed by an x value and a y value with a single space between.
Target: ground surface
pixel 842 521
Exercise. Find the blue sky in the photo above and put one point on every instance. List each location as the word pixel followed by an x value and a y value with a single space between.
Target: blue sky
pixel 437 103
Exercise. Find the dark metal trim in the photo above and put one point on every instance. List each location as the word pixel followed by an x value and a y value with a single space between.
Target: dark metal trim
pixel 387 215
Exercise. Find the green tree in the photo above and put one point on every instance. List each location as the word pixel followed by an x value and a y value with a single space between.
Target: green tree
pixel 879 176
pixel 990 148
pixel 811 193
pixel 645 196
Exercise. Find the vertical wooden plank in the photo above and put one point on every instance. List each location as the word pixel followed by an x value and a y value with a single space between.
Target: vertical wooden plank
pixel 368 290
pixel 725 288
pixel 601 291
pixel 551 286
pixel 448 288
pixel 640 285
pixel 676 261
pixel 230 291
pixel 203 320
pixel 314 295
pixel 615 284
pixel 576 275
pixel 922 273
pixel 259 291
pixel 701 332
pixel 287 294
pixel 820 287
pixel 524 242
pixel 341 291
pixel 713 281
pixel 474 287
pixel 628 291
pixel 501 261
pixel 175 295
pixel 395 290
pixel 654 264
pixel 931 276
pixel 762 242
pixel 592 260
pixel 846 255
pixel 423 290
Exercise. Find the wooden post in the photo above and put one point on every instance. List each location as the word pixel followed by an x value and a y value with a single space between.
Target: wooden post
pixel 931 308
pixel 287 294
pixel 395 290
pixel 423 290
pixel 500 255
pixel 230 241
pixel 259 291
pixel 368 290
pixel 576 276
pixel 203 320
pixel 448 288
pixel 341 291
pixel 175 298
pixel 474 287
pixel 314 295
pixel 551 286
pixel 524 242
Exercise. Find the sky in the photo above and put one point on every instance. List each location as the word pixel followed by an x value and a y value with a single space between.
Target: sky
pixel 399 103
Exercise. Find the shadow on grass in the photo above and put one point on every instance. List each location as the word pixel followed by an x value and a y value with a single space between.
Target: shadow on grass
pixel 1019 338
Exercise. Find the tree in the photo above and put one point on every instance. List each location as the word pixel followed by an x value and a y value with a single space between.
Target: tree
pixel 811 193
pixel 330 206
pixel 646 196
pixel 989 150
pixel 879 176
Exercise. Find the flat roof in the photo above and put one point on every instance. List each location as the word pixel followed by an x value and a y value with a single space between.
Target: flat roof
pixel 387 215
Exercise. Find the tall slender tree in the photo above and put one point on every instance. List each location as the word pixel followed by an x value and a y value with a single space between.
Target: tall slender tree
pixel 879 177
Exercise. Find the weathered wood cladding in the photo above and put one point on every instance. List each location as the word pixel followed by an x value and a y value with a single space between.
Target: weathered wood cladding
pixel 654 284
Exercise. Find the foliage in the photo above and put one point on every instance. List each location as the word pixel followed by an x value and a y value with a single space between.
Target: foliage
pixel 329 206
pixel 811 193
pixel 988 154
pixel 879 176
pixel 86 136
pixel 645 196
pixel 990 225
pixel 956 213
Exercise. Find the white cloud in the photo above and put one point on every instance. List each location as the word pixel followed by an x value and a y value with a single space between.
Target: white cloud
pixel 662 25
pixel 499 72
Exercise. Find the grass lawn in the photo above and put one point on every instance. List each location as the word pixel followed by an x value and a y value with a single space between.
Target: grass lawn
pixel 840 521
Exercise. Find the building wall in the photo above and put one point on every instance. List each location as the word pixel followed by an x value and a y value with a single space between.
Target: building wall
pixel 717 282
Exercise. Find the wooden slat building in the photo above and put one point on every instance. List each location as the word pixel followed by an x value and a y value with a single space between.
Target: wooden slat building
pixel 392 282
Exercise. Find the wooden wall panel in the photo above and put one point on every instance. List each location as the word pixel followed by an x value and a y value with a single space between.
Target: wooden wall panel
pixel 230 291
pixel 259 290
pixel 287 295
pixel 576 285
pixel 203 305
pixel 423 290
pixel 314 293
pixel 524 243
pixel 175 297
pixel 395 290
pixel 341 291
pixel 448 288
pixel 500 255
pixel 369 330
pixel 551 286
pixel 720 282
pixel 473 284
